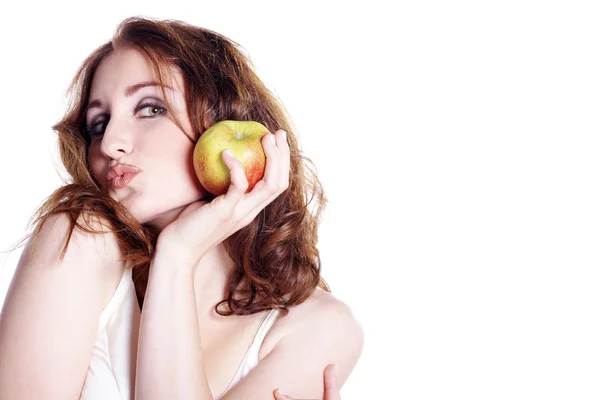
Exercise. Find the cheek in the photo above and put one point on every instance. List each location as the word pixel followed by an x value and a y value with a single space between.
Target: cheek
pixel 175 173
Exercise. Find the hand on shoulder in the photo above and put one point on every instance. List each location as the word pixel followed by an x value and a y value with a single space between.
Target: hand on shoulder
pixel 331 327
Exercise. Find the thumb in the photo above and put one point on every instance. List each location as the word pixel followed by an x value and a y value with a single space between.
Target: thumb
pixel 332 391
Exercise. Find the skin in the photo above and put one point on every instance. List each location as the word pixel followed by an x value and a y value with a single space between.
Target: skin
pixel 168 196
pixel 331 388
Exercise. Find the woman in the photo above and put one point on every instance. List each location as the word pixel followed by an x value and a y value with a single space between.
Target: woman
pixel 163 288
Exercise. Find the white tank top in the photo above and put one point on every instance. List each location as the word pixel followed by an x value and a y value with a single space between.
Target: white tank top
pixel 111 374
pixel 250 360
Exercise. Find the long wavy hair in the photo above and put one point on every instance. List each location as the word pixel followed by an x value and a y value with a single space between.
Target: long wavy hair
pixel 276 256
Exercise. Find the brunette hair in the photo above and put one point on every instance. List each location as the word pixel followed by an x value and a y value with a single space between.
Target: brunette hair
pixel 276 256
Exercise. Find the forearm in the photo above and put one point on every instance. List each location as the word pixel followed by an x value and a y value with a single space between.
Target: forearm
pixel 169 360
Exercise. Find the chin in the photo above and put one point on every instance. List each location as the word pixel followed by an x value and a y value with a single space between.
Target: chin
pixel 159 219
pixel 145 208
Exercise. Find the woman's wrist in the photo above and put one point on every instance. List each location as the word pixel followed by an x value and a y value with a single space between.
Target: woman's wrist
pixel 174 260
pixel 176 255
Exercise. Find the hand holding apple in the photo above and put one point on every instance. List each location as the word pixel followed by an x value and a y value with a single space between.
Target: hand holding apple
pixel 203 225
pixel 243 139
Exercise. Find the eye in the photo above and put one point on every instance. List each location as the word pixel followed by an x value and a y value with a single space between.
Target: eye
pixel 154 109
pixel 91 130
pixel 151 109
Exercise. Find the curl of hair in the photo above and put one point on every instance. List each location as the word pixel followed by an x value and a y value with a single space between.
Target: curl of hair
pixel 276 256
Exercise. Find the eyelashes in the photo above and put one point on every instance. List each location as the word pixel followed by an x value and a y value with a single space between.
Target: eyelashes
pixel 151 105
pixel 92 131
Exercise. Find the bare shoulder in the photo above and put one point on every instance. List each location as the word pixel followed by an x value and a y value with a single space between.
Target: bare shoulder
pixel 52 308
pixel 322 317
pixel 322 308
pixel 100 249
pixel 322 330
pixel 96 256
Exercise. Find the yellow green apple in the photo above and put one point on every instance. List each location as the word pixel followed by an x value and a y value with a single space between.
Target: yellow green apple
pixel 243 139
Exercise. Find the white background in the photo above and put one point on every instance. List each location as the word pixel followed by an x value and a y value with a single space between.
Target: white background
pixel 457 142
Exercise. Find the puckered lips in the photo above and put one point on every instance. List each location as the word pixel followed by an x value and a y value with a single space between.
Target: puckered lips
pixel 120 175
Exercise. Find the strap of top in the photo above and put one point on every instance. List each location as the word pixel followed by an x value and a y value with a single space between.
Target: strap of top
pixel 261 333
pixel 251 358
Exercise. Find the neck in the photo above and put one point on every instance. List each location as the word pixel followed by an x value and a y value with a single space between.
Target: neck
pixel 211 280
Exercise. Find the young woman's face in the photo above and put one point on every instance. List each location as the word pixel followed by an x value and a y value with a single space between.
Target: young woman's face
pixel 130 125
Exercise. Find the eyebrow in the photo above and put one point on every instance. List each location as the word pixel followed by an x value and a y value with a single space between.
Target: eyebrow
pixel 130 91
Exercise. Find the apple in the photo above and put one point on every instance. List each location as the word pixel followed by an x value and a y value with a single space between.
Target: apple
pixel 243 139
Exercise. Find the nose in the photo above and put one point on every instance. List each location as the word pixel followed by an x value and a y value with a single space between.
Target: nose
pixel 116 140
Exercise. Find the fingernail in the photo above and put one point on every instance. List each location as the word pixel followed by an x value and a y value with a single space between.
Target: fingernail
pixel 334 375
pixel 273 139
pixel 226 151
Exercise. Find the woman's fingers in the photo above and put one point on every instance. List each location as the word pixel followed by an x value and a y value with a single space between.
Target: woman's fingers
pixel 280 168
pixel 270 178
pixel 275 180
pixel 282 143
pixel 226 204
pixel 332 391
pixel 284 151
pixel 239 183
pixel 280 396
pixel 277 171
